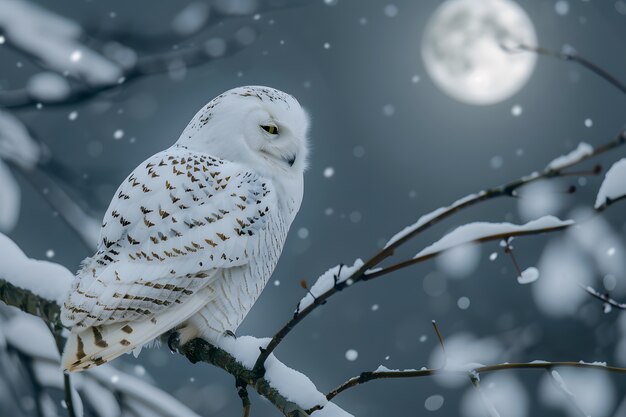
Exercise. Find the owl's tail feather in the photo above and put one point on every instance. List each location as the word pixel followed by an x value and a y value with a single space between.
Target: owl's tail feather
pixel 96 345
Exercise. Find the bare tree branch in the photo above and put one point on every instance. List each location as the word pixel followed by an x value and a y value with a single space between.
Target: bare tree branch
pixel 508 189
pixel 196 351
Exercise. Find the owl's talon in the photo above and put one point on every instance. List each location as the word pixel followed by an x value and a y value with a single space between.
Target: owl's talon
pixel 230 334
pixel 173 341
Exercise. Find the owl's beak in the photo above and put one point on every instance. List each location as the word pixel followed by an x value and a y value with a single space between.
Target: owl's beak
pixel 291 160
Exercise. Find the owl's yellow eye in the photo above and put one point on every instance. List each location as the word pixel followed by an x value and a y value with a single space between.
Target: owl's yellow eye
pixel 271 129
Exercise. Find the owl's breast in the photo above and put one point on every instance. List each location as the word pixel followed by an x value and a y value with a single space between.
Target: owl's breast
pixel 238 288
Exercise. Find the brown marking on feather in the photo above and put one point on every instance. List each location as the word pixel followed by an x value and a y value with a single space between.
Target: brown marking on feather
pixel 97 335
pixel 80 349
pixel 127 329
pixel 124 342
pixel 222 236
pixel 210 242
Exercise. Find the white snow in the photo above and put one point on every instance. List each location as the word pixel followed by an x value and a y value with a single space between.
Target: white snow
pixel 593 392
pixel 331 410
pixel 45 279
pixel 528 275
pixel 428 217
pixel 583 150
pixel 10 199
pixel 563 267
pixel 540 198
pixel 614 184
pixel 352 355
pixel 293 385
pixel 501 392
pixel 48 86
pixel 158 402
pixel 472 232
pixel 54 40
pixel 460 261
pixel 16 144
pixel 327 280
pixel 434 402
pixel 30 335
pixel 464 352
pixel 191 18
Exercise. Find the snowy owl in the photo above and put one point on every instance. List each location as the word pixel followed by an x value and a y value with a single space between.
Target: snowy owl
pixel 193 234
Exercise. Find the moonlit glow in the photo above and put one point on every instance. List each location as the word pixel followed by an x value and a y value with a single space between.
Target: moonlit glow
pixel 463 54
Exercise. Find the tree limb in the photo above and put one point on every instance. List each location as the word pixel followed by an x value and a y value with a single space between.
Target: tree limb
pixel 508 189
pixel 197 350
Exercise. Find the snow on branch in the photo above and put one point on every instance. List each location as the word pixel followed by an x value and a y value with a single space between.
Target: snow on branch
pixel 613 187
pixel 336 275
pixel 44 279
pixel 583 150
pixel 56 42
pixel 428 217
pixel 58 45
pixel 39 287
pixel 370 269
pixel 480 231
pixel 288 390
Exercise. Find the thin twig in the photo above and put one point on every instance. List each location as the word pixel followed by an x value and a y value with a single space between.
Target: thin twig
pixel 440 339
pixel 69 401
pixel 418 259
pixel 370 376
pixel 574 57
pixel 242 391
pixel 609 202
pixel 507 189
pixel 604 297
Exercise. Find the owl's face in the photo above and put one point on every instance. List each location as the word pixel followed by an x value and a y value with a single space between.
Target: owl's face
pixel 258 126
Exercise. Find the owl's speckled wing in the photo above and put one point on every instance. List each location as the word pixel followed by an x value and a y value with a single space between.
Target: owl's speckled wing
pixel 177 218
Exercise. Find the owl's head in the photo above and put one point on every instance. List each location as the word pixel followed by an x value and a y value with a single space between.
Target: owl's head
pixel 260 127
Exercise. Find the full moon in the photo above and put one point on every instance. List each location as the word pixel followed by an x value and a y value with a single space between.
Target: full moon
pixel 463 54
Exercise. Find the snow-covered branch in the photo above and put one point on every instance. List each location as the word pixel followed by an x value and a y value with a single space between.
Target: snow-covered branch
pixel 613 188
pixel 74 72
pixel 39 287
pixel 370 268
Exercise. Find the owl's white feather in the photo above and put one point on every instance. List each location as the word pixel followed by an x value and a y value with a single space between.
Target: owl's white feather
pixel 193 233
